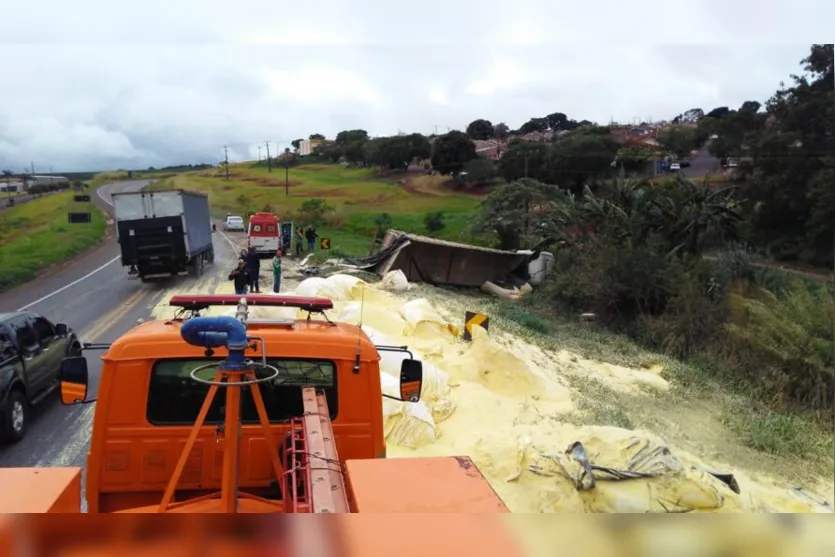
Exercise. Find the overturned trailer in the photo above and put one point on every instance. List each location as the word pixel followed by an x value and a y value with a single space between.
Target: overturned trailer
pixel 436 261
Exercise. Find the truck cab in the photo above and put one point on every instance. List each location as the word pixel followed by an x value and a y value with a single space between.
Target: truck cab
pixel 148 403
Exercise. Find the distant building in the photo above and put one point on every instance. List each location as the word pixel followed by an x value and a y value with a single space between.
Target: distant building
pixel 36 180
pixel 11 185
pixel 307 146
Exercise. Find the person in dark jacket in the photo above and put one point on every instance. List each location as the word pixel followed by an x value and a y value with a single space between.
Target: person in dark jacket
pixel 253 267
pixel 311 236
pixel 241 278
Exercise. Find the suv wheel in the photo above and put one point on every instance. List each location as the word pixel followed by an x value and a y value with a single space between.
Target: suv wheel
pixel 15 418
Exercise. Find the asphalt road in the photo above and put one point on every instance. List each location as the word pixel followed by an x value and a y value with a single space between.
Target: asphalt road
pixel 94 296
pixel 18 199
pixel 702 163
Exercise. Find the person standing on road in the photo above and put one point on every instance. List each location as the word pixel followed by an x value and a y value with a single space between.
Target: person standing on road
pixel 299 242
pixel 311 236
pixel 240 277
pixel 253 268
pixel 277 272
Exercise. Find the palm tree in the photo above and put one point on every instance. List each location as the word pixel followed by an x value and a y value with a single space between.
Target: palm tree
pixel 693 210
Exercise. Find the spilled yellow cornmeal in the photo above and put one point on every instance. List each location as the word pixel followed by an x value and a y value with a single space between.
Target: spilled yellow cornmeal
pixel 500 401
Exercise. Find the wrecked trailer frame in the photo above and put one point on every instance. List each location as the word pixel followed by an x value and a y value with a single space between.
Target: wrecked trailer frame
pixel 433 261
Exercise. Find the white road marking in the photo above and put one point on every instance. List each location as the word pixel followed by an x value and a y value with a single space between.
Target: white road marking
pixel 99 191
pixel 73 283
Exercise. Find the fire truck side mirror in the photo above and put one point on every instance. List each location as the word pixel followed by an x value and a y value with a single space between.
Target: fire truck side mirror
pixel 74 379
pixel 411 380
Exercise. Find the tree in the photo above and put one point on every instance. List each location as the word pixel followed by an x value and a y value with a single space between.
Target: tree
pixel 794 165
pixel 557 121
pixel 347 136
pixel 354 151
pixel 534 125
pixel 580 159
pixel 516 214
pixel 635 158
pixel 296 143
pixel 316 136
pixel 479 172
pixel 313 211
pixel 690 116
pixel 501 131
pixel 678 140
pixel 480 129
pixel 718 112
pixel 287 159
pixel 524 159
pixel 397 151
pixel 452 151
pixel 750 106
pixel 693 210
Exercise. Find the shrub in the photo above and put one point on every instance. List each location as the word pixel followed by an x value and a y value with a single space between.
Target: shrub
pixel 790 341
pixel 313 211
pixel 383 223
pixel 434 222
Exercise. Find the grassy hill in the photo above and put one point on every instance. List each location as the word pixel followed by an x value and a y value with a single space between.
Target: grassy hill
pixel 357 195
pixel 36 234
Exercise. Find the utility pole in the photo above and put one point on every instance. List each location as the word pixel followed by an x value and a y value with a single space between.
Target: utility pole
pixel 33 168
pixel 269 166
pixel 259 153
pixel 226 160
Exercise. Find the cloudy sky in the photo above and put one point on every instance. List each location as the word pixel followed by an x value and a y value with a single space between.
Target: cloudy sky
pixel 91 85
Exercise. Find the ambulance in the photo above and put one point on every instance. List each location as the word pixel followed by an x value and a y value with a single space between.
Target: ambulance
pixel 264 233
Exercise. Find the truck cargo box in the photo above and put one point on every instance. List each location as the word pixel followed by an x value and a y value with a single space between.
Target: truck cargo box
pixel 161 232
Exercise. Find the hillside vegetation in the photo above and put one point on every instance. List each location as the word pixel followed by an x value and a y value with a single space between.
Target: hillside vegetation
pixel 36 234
pixel 353 201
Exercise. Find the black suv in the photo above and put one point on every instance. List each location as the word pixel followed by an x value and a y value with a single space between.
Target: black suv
pixel 31 351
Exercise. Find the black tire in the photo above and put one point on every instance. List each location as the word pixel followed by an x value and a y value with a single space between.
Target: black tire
pixel 15 417
pixel 211 256
pixel 197 265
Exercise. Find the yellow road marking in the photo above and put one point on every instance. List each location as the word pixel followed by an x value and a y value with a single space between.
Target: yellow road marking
pixel 111 317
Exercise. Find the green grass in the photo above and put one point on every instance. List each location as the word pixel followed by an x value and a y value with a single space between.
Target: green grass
pixel 36 234
pixel 356 195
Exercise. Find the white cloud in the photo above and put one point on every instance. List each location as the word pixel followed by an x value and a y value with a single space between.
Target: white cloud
pixel 95 84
